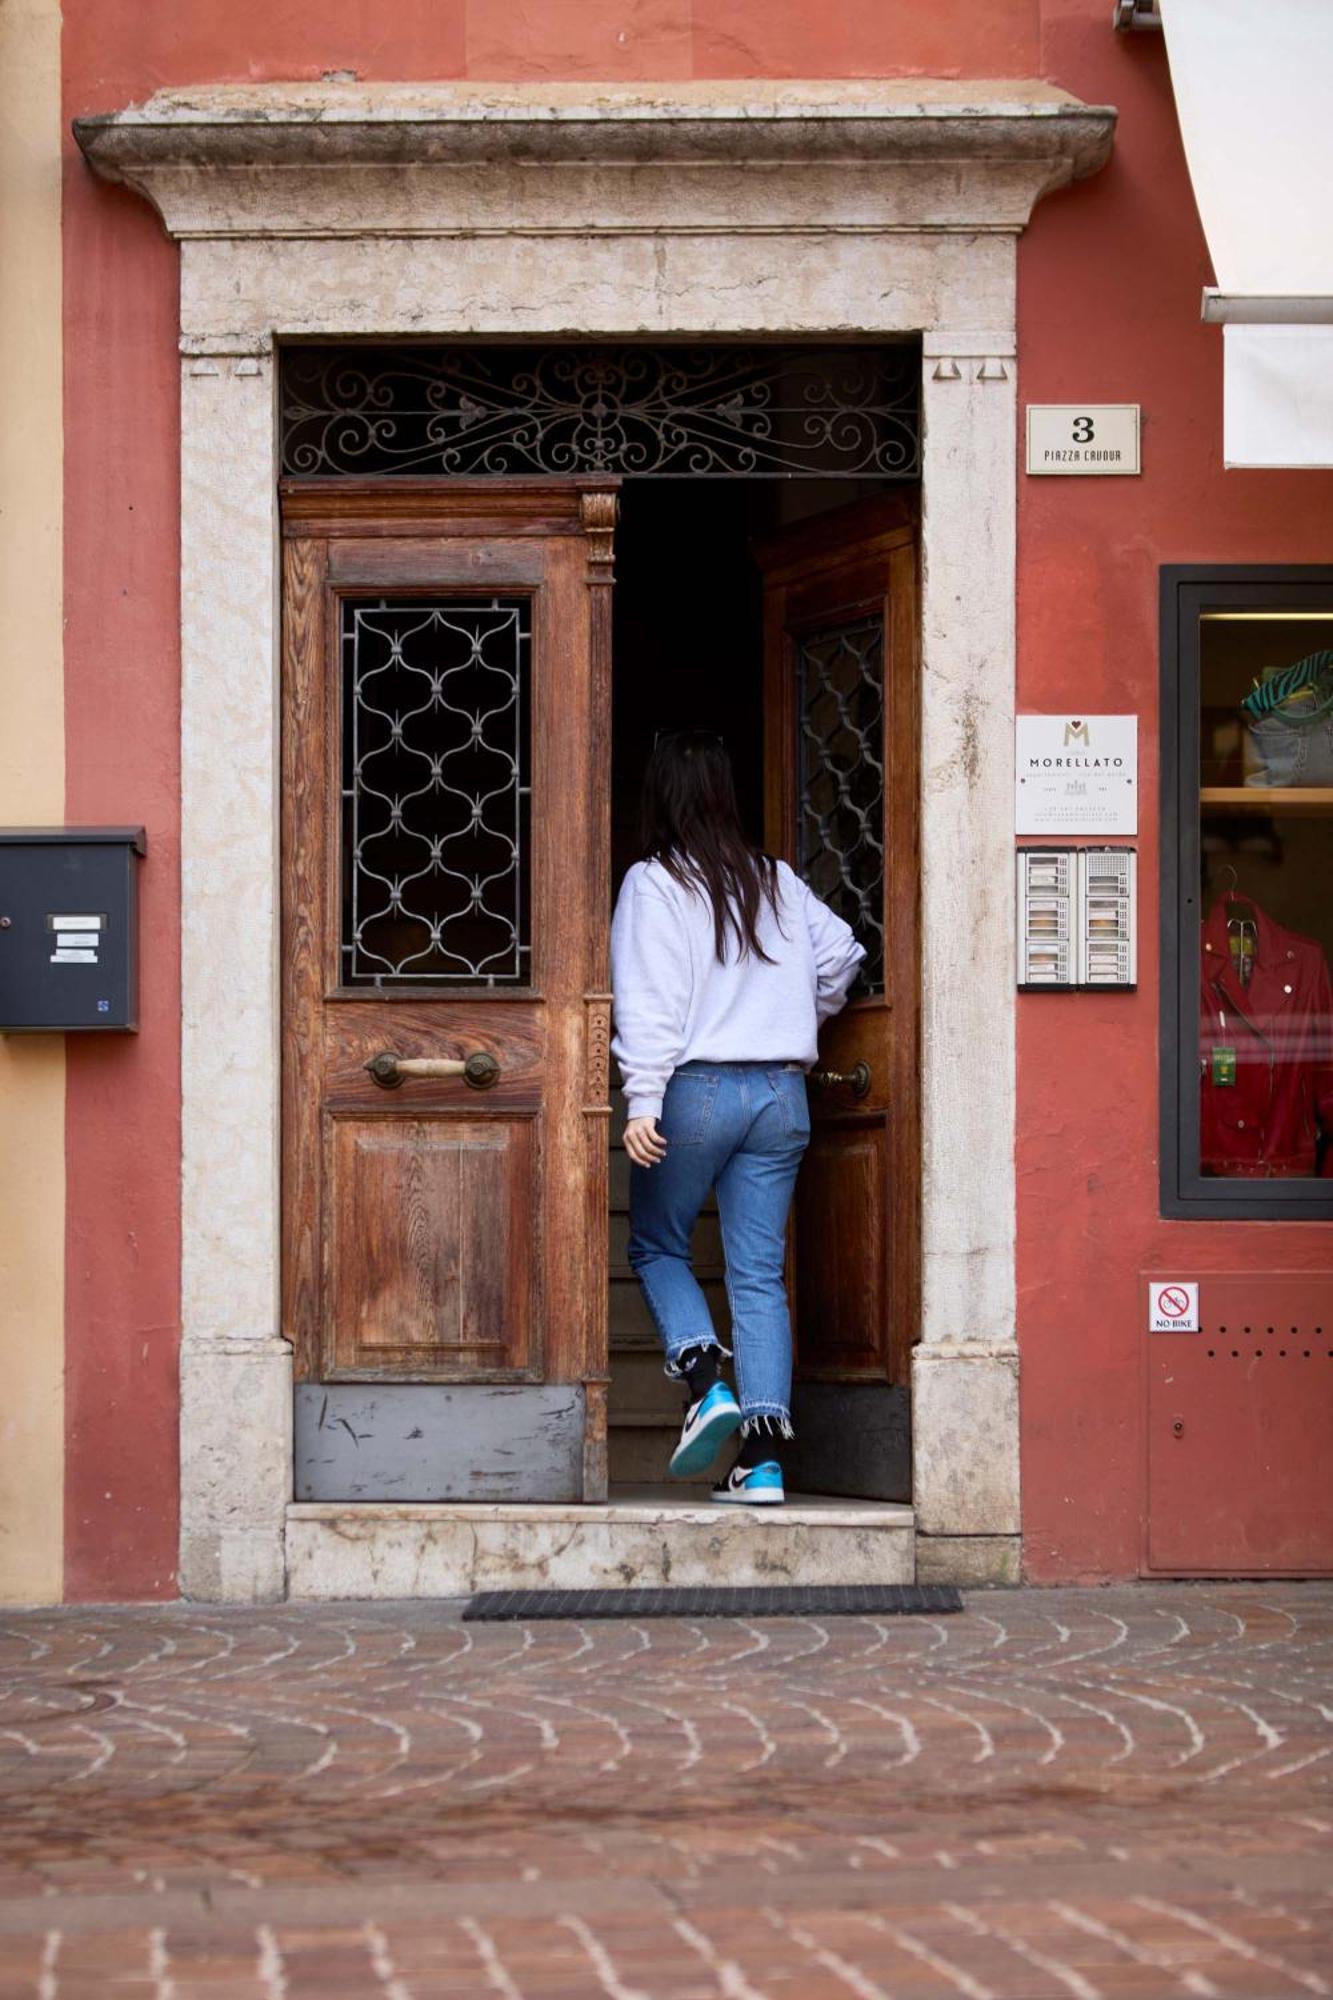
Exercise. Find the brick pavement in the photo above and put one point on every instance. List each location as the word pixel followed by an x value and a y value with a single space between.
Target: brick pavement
pixel 1058 1793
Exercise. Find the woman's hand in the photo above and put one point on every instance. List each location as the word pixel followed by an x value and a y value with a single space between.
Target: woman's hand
pixel 644 1143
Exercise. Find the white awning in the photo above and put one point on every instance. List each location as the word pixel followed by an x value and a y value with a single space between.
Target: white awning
pixel 1253 82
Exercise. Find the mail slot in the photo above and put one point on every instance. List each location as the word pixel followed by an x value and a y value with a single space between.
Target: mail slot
pixel 69 955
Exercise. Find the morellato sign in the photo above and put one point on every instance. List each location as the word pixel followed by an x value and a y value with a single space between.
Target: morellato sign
pixel 1076 774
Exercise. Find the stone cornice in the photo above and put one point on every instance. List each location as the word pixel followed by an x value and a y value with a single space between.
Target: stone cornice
pixel 302 160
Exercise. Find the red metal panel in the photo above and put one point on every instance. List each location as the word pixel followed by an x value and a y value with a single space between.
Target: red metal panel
pixel 1240 1430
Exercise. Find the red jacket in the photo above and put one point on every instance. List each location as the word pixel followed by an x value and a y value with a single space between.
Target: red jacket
pixel 1270 1120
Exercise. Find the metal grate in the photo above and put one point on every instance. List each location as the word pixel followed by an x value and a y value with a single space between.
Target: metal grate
pixel 435 791
pixel 824 1600
pixel 840 828
pixel 674 412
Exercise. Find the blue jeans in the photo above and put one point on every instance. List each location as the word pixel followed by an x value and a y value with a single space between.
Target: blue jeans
pixel 742 1128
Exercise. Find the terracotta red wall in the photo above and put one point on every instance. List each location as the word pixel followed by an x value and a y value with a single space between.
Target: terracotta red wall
pixel 1110 276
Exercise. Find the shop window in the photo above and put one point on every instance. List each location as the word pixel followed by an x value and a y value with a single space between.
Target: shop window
pixel 1247 905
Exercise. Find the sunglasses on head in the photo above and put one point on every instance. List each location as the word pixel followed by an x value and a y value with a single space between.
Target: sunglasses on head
pixel 669 735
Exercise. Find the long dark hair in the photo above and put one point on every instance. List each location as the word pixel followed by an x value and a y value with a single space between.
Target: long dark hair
pixel 692 825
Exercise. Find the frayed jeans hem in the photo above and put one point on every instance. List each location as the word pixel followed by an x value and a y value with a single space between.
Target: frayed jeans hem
pixel 767 1422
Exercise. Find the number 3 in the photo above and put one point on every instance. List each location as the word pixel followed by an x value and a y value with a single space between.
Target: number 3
pixel 1083 430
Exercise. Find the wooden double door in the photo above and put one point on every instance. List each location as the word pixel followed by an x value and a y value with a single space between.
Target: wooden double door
pixel 446 1004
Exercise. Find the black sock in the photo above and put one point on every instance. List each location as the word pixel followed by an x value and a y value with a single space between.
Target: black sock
pixel 760 1447
pixel 701 1368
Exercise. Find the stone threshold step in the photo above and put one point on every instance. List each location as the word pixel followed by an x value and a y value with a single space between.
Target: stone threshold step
pixel 642 1537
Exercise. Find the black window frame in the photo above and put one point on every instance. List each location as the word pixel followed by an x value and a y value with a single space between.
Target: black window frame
pixel 1188 590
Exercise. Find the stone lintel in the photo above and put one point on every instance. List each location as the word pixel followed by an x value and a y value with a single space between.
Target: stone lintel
pixel 326 159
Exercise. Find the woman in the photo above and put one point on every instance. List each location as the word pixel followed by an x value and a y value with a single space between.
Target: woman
pixel 723 966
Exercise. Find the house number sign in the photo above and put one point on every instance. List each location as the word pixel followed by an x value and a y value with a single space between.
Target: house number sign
pixel 1097 438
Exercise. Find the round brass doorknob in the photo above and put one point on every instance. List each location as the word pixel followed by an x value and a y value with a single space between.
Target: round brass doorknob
pixel 390 1071
pixel 857 1078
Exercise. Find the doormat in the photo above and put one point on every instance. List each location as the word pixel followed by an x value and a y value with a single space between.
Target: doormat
pixel 829 1600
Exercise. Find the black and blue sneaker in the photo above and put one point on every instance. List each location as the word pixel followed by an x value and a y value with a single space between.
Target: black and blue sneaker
pixel 708 1424
pixel 752 1486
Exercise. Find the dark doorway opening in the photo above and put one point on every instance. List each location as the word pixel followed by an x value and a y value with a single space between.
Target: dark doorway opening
pixel 688 651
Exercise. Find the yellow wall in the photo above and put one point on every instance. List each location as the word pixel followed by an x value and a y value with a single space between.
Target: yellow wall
pixel 32 787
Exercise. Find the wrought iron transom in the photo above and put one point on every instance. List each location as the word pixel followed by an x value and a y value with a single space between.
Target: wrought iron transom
pixel 435 791
pixel 674 412
pixel 840 829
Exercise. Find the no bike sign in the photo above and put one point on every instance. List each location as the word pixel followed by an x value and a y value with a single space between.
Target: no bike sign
pixel 1173 1307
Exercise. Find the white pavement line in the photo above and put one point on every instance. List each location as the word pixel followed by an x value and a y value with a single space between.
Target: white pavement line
pixel 1268 1908
pixel 46 1983
pixel 497 1977
pixel 806 1652
pixel 610 1722
pixel 1104 1714
pixel 694 1742
pixel 902 1723
pixel 498 1705
pixel 99 1652
pixel 1181 1629
pixel 227 1648
pixel 333 1660
pixel 768 1742
pixel 17 1736
pixel 1063 1635
pixel 1230 1942
pixel 1301 1763
pixel 839 1746
pixel 731 1981
pixel 1081 1988
pixel 761 1644
pixel 1118 1638
pixel 852 1976
pixel 28 1639
pixel 1271 1739
pixel 630 1631
pixel 104 1755
pixel 987 1748
pixel 878 1846
pixel 382 1965
pixel 501 1778
pixel 1198 1741
pixel 269 1968
pixel 602 1963
pixel 159 1966
pixel 906 1941
pixel 1193 1982
pixel 987 1694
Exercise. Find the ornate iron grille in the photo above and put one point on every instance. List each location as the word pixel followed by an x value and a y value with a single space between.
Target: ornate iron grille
pixel 674 412
pixel 840 831
pixel 435 791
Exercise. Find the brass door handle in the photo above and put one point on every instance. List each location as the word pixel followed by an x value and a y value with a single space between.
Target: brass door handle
pixel 857 1078
pixel 390 1071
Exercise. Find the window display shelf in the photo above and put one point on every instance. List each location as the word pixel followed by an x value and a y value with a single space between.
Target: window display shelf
pixel 1312 800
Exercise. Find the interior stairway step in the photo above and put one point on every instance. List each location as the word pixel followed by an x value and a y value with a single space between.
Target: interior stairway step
pixel 646 1536
pixel 639 1453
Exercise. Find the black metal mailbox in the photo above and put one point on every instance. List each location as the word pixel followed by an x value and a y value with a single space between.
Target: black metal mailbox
pixel 69 955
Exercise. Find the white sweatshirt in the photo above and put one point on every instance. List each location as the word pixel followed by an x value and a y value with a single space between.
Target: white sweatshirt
pixel 676 1003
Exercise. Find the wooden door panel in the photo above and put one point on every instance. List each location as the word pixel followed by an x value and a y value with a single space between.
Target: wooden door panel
pixel 841 780
pixel 445 752
pixel 358 1031
pixel 434 1258
pixel 840 1246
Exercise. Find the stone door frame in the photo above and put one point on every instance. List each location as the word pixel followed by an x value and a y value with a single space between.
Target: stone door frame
pixel 797 211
